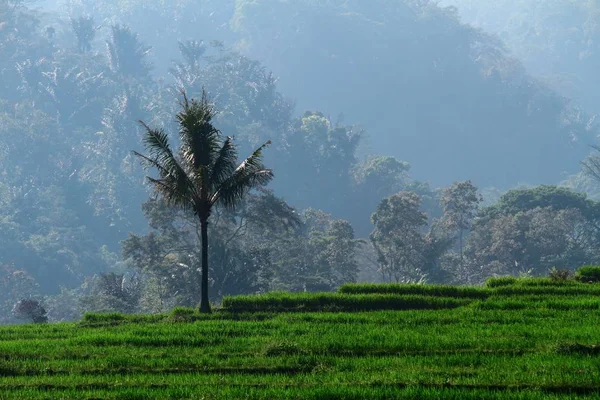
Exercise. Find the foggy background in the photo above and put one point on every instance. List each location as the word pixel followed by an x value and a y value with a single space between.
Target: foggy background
pixel 362 100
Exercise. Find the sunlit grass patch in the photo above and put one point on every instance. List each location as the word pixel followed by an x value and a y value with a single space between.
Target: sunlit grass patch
pixel 424 290
pixel 519 341
pixel 335 302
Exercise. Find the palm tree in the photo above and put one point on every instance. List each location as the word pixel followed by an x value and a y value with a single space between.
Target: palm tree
pixel 204 173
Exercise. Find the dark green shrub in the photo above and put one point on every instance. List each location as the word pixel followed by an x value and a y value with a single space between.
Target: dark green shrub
pixel 30 310
pixel 501 281
pixel 588 274
pixel 182 314
pixel 560 275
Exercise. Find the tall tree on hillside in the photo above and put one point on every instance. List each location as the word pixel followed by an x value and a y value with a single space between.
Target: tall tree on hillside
pixel 85 31
pixel 591 165
pixel 398 237
pixel 127 54
pixel 460 202
pixel 204 174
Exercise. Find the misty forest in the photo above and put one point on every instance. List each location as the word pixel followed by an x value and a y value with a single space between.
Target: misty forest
pixel 225 177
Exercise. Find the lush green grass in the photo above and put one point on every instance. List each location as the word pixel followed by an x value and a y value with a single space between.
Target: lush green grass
pixel 283 302
pixel 441 342
pixel 425 290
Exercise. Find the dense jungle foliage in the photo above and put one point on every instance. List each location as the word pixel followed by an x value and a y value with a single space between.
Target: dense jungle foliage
pixel 407 146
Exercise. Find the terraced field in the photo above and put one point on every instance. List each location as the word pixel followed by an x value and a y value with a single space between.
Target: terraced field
pixel 526 339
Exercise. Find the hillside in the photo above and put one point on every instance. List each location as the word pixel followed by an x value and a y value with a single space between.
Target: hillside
pixel 525 339
pixel 444 96
pixel 557 41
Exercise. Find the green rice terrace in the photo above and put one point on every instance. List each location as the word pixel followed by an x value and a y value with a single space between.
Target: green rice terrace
pixel 510 339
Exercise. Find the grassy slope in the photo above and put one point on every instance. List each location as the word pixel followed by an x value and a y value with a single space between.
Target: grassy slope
pixel 526 340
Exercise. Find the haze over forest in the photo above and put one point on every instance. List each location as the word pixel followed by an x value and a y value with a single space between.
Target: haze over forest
pixel 412 141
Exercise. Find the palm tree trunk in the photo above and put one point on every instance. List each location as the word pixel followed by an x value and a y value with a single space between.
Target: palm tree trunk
pixel 204 302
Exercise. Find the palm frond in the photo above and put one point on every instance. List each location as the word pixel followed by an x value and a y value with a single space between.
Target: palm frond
pixel 249 174
pixel 225 163
pixel 148 163
pixel 156 142
pixel 254 161
pixel 169 189
pixel 199 138
pixel 173 182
